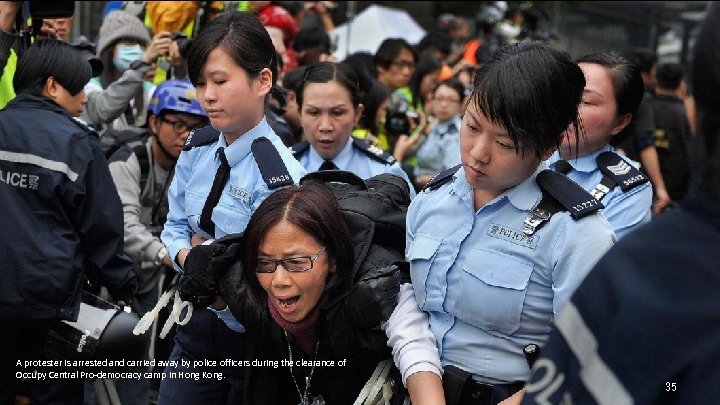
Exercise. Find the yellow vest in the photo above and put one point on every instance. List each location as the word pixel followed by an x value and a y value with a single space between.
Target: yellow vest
pixel 7 92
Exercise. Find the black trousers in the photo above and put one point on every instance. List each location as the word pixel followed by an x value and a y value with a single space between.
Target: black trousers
pixel 23 340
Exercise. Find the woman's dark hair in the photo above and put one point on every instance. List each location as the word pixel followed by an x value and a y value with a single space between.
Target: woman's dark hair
pixel 54 58
pixel 243 38
pixel 362 62
pixel 533 90
pixel 325 72
pixel 627 85
pixel 427 64
pixel 455 85
pixel 312 208
pixel 389 49
pixel 372 99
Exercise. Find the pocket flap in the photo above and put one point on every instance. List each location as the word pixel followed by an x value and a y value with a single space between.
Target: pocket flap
pixel 498 269
pixel 423 247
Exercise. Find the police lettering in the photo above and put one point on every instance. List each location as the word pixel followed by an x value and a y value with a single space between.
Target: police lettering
pixel 20 180
pixel 633 179
pixel 278 179
pixel 585 205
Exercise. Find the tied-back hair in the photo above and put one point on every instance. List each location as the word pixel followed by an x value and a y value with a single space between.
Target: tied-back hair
pixel 244 38
pixel 627 84
pixel 706 91
pixel 325 72
pixel 533 90
pixel 312 208
pixel 51 58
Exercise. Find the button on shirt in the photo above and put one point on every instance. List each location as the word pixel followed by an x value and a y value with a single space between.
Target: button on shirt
pixel 354 160
pixel 624 210
pixel 441 149
pixel 489 289
pixel 243 192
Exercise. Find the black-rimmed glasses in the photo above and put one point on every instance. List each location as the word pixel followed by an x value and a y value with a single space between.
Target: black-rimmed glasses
pixel 291 264
pixel 180 126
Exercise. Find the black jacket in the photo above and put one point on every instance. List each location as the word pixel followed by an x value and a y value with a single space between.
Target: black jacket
pixel 60 214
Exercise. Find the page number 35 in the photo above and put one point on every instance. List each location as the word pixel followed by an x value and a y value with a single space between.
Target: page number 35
pixel 670 387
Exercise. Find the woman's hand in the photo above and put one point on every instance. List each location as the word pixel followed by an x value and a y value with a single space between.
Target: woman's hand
pixel 159 46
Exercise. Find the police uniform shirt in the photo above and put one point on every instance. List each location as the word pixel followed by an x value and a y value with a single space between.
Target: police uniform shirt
pixel 489 289
pixel 624 210
pixel 441 149
pixel 244 191
pixel 354 159
pixel 643 327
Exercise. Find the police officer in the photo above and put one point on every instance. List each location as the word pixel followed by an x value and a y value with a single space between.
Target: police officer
pixel 60 213
pixel 497 245
pixel 613 92
pixel 330 107
pixel 224 172
pixel 142 171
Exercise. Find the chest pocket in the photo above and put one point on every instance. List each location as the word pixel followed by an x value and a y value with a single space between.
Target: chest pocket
pixel 231 214
pixel 493 290
pixel 421 255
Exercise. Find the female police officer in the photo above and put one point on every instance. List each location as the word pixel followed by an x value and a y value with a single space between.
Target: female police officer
pixel 497 245
pixel 222 175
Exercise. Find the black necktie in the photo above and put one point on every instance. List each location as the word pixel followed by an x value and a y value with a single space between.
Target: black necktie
pixel 221 176
pixel 562 166
pixel 328 165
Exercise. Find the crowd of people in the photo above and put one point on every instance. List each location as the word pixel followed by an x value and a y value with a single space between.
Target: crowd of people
pixel 557 215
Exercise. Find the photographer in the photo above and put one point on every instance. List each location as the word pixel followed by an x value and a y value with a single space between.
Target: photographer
pixel 118 98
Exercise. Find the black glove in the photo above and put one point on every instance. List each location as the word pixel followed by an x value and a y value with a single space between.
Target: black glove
pixel 374 297
pixel 204 265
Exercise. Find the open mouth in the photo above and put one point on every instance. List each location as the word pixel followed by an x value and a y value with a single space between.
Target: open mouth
pixel 288 304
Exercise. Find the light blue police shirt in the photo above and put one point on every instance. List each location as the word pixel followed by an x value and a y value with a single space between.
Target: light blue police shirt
pixel 624 210
pixel 441 149
pixel 243 192
pixel 488 288
pixel 353 159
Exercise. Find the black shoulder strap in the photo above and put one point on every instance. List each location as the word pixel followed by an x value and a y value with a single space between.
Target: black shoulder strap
pixel 616 171
pixel 559 194
pixel 144 160
pixel 441 178
pixel 299 149
pixel 374 152
pixel 201 136
pixel 272 168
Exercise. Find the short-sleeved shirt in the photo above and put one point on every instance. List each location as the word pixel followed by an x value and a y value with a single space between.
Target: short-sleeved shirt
pixel 441 149
pixel 625 210
pixel 244 191
pixel 488 288
pixel 354 159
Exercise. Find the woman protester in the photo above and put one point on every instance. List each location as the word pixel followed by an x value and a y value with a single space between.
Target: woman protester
pixel 612 95
pixel 329 100
pixel 315 328
pixel 497 245
pixel 223 174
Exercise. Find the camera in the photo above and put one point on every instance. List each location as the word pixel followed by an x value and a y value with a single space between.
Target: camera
pixel 183 42
pixel 399 119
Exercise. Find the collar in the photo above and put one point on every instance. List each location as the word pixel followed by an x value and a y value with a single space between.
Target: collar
pixel 302 331
pixel 451 125
pixel 242 146
pixel 585 164
pixel 342 160
pixel 523 196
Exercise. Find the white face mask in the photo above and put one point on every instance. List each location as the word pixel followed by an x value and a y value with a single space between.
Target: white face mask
pixel 127 54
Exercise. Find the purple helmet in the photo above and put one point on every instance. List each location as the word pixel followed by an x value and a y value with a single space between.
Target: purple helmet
pixel 175 95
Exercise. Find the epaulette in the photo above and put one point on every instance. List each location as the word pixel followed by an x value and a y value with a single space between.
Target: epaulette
pixel 559 194
pixel 374 152
pixel 84 125
pixel 272 168
pixel 616 171
pixel 299 148
pixel 441 178
pixel 201 136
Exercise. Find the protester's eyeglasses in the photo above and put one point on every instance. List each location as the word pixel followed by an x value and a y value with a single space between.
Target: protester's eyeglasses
pixel 180 126
pixel 291 264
